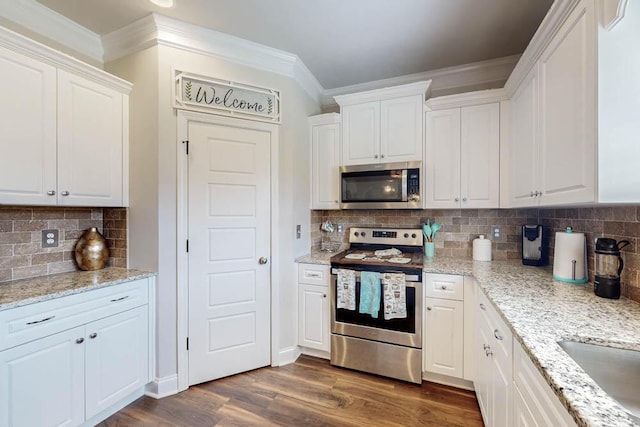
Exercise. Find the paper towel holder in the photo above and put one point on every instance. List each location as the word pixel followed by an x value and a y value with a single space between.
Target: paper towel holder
pixel 570 257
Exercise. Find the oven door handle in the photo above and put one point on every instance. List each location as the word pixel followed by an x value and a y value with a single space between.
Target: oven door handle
pixel 407 278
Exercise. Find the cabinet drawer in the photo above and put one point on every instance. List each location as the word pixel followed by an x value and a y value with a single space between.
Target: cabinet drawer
pixel 445 286
pixel 313 274
pixel 500 336
pixel 30 322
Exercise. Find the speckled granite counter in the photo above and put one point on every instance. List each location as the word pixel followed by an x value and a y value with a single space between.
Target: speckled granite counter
pixel 316 258
pixel 28 291
pixel 541 312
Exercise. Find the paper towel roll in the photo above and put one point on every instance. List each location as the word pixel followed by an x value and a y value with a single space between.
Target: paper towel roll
pixel 570 257
pixel 481 249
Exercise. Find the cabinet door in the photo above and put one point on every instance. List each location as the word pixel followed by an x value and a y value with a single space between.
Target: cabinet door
pixel 480 156
pixel 361 134
pixel 401 129
pixel 501 390
pixel 523 143
pixel 42 382
pixel 568 117
pixel 28 123
pixel 90 143
pixel 522 416
pixel 313 328
pixel 444 337
pixel 442 159
pixel 117 358
pixel 482 379
pixel 325 164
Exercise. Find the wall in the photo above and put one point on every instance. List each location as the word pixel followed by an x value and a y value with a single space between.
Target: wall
pixel 154 204
pixel 21 252
pixel 460 227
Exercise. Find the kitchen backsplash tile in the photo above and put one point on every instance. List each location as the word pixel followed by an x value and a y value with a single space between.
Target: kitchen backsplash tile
pixel 461 226
pixel 21 252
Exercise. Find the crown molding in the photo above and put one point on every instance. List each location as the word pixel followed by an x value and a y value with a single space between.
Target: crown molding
pixel 40 19
pixel 493 70
pixel 156 29
pixel 613 11
pixel 26 46
pixel 466 99
pixel 324 119
pixel 557 15
pixel 418 88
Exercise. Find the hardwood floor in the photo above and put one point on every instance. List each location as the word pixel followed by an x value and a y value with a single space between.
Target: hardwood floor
pixel 309 392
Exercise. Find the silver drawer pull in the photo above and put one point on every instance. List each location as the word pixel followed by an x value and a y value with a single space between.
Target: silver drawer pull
pixel 443 287
pixel 40 321
pixel 482 306
pixel 313 274
pixel 93 335
pixel 497 335
pixel 120 299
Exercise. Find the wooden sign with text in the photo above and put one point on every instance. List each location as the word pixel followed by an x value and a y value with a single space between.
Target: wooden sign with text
pixel 199 93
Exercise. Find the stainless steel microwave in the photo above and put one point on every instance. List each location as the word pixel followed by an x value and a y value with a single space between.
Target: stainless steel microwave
pixel 381 186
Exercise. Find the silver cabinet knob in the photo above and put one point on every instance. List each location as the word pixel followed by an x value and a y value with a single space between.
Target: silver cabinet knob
pixel 375 156
pixel 65 193
pixel 531 194
pixel 497 335
pixel 79 340
pixel 93 335
pixel 457 199
pixel 464 199
pixel 335 201
pixel 443 287
pixel 324 295
pixel 382 156
pixel 262 260
pixel 429 308
pixel 51 193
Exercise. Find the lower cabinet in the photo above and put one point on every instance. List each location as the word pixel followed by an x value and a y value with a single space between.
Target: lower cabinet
pixel 314 328
pixel 79 374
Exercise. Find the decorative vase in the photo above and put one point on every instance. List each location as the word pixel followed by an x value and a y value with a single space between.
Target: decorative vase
pixel 429 249
pixel 91 250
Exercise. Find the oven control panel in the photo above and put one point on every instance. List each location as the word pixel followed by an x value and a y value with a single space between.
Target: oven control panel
pixel 386 236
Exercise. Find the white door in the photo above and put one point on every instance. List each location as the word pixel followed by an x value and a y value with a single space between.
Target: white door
pixel 229 248
pixel 442 158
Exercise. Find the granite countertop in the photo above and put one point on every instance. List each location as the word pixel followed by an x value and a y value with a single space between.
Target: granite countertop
pixel 541 312
pixel 28 291
pixel 316 258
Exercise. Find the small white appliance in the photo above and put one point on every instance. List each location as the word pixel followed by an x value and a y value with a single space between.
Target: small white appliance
pixel 570 257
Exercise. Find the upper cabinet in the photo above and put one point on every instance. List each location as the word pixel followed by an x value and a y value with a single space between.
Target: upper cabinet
pixel 574 121
pixel 65 128
pixel 462 152
pixel 325 161
pixel 383 126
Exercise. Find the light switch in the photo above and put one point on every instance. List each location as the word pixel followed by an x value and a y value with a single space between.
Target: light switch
pixel 298 231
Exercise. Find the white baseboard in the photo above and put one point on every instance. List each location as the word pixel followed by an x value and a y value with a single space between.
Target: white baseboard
pixel 163 387
pixel 315 353
pixel 96 419
pixel 287 355
pixel 447 380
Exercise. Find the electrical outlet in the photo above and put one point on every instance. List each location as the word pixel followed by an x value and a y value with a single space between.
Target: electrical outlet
pixel 50 238
pixel 340 228
pixel 496 232
pixel 298 231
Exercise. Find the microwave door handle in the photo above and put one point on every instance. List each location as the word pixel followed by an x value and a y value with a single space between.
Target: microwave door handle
pixel 404 185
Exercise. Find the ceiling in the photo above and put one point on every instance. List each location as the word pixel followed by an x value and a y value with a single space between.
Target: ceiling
pixel 345 42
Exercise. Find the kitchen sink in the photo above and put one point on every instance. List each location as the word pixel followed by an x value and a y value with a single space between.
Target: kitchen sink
pixel 615 370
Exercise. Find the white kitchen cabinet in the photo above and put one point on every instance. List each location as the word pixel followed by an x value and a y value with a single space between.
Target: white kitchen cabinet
pixel 28 123
pixel 462 157
pixel 75 359
pixel 314 328
pixel 494 374
pixel 534 402
pixel 383 126
pixel 65 129
pixel 325 161
pixel 91 142
pixel 574 121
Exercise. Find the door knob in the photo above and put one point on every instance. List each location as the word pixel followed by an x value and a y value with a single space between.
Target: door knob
pixel 262 260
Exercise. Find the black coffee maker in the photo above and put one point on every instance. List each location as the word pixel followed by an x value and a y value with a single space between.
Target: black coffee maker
pixel 609 265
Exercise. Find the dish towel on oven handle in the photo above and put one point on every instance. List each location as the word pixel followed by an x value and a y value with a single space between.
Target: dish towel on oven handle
pixel 346 289
pixel 395 296
pixel 369 293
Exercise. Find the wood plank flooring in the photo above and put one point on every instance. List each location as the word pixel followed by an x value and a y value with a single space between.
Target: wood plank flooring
pixel 309 392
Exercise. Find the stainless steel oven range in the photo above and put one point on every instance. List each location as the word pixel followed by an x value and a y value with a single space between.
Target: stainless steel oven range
pixel 360 341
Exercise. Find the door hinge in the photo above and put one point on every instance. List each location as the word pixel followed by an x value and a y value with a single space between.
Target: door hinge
pixel 187 245
pixel 187 343
pixel 186 143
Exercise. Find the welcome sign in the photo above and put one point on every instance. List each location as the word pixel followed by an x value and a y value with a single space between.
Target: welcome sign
pixel 223 97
